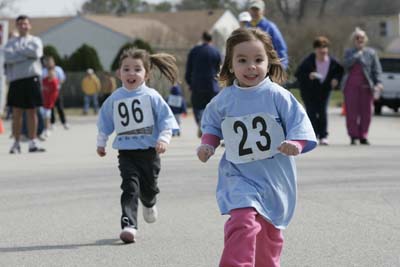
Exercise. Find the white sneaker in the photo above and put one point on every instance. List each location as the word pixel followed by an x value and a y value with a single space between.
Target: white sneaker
pixel 66 126
pixel 128 234
pixel 150 214
pixel 324 142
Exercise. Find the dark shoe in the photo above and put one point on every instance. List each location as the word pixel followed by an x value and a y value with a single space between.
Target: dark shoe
pixel 15 149
pixel 353 141
pixel 36 149
pixel 364 141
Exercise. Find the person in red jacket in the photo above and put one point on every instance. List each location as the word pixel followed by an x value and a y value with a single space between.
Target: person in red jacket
pixel 50 95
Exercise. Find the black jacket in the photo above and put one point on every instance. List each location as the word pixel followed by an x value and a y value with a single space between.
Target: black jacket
pixel 312 87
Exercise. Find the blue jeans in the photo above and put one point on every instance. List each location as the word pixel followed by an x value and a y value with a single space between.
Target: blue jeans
pixel 86 103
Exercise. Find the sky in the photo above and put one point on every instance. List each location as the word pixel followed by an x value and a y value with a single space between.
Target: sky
pixel 49 8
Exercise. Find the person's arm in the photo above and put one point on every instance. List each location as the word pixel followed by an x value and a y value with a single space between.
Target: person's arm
pixel 279 45
pixel 189 68
pixel 351 56
pixel 376 70
pixel 105 126
pixel 32 49
pixel 11 54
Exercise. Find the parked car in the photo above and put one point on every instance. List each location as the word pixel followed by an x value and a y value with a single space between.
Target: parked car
pixel 390 95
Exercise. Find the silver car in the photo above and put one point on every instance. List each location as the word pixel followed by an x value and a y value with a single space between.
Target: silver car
pixel 390 96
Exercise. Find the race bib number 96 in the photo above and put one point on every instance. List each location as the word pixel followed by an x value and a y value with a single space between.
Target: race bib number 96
pixel 133 116
pixel 251 137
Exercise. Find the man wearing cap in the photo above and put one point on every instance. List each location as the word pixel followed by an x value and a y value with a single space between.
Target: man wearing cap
pixel 256 10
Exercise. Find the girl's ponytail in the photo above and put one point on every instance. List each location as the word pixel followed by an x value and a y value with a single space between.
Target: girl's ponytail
pixel 166 63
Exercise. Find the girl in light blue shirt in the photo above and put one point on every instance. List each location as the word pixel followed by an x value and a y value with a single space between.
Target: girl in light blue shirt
pixel 263 127
pixel 143 123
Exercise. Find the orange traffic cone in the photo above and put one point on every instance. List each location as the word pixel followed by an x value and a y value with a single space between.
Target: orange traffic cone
pixel 2 130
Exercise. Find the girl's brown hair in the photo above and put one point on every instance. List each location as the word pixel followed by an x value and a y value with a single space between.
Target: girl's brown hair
pixel 275 68
pixel 166 63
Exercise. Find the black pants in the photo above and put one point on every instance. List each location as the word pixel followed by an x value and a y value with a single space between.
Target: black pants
pixel 60 110
pixel 139 171
pixel 317 110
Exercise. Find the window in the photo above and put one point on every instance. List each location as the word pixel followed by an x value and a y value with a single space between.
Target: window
pixel 383 28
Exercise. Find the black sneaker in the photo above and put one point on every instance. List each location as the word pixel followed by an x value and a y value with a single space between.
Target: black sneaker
pixel 36 149
pixel 353 141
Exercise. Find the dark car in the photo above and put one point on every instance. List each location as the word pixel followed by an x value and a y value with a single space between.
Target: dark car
pixel 390 96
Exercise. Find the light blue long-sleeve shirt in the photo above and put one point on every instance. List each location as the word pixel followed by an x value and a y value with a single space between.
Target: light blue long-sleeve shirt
pixel 137 116
pixel 268 185
pixel 22 57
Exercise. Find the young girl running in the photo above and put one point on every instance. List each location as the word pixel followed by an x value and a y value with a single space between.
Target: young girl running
pixel 263 126
pixel 143 123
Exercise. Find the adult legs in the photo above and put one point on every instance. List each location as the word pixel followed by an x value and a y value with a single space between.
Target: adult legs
pixel 366 101
pixel 352 104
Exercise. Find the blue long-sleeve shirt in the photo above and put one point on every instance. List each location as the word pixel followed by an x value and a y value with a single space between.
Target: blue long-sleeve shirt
pixel 277 39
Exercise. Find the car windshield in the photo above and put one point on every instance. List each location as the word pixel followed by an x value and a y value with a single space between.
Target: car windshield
pixel 390 64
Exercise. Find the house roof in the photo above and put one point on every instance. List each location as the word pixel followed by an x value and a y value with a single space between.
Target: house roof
pixel 181 28
pixel 39 25
pixel 189 24
pixel 150 30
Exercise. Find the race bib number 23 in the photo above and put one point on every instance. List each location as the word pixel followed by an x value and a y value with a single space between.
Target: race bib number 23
pixel 132 115
pixel 251 137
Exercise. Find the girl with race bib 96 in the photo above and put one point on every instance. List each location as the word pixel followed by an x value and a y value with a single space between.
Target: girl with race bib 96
pixel 263 127
pixel 143 123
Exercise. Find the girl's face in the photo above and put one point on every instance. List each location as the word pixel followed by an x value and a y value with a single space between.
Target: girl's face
pixel 132 73
pixel 250 63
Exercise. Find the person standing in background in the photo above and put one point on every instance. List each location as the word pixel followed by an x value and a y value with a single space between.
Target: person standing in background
pixel 49 64
pixel 91 87
pixel 202 67
pixel 23 66
pixel 109 84
pixel 361 81
pixel 256 10
pixel 317 75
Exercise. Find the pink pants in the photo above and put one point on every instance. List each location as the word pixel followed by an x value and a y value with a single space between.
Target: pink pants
pixel 250 241
pixel 358 101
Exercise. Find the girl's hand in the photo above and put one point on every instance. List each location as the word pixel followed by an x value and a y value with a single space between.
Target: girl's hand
pixel 289 149
pixel 101 151
pixel 161 147
pixel 204 152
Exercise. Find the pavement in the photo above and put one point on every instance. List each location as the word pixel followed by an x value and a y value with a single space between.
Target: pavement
pixel 61 208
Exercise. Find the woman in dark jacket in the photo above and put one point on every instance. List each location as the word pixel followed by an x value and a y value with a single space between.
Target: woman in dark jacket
pixel 317 75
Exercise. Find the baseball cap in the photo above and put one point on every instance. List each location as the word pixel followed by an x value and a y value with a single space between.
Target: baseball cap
pixel 244 16
pixel 257 4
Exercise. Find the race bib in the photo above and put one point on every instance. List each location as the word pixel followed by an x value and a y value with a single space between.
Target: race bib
pixel 251 137
pixel 133 116
pixel 175 101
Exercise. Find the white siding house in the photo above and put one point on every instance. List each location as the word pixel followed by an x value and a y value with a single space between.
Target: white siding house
pixel 73 33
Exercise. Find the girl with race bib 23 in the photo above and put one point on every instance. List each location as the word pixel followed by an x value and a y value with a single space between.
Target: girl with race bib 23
pixel 263 126
pixel 143 123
